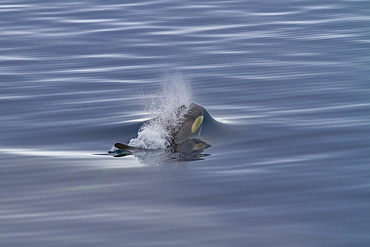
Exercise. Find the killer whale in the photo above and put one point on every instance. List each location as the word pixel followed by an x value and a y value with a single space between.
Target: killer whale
pixel 183 138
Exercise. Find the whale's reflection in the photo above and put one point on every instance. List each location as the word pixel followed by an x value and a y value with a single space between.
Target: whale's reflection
pixel 189 150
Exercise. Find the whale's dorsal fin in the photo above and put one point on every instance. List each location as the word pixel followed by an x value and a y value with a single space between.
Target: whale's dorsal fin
pixel 125 147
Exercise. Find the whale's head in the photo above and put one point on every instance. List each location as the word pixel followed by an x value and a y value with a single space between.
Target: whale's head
pixel 189 125
pixel 186 136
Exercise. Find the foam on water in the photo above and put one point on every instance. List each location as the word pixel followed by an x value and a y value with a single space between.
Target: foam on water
pixel 166 108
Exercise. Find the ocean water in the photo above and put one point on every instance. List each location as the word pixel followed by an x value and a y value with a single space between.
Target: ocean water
pixel 287 83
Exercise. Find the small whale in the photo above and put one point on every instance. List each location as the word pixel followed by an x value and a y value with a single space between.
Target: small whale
pixel 184 138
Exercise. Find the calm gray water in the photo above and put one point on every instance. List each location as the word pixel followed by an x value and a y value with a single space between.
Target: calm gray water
pixel 287 80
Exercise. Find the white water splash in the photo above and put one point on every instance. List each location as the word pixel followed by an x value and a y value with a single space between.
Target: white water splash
pixel 165 113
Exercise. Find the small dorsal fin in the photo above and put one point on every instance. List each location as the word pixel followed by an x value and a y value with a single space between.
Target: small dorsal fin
pixel 123 146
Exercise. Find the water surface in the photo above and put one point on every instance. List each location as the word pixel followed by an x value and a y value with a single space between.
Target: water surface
pixel 288 81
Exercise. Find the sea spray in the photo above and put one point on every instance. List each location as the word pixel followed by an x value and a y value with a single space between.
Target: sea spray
pixel 166 108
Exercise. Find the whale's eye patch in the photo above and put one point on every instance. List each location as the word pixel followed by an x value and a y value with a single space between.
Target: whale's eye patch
pixel 197 123
pixel 198 146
